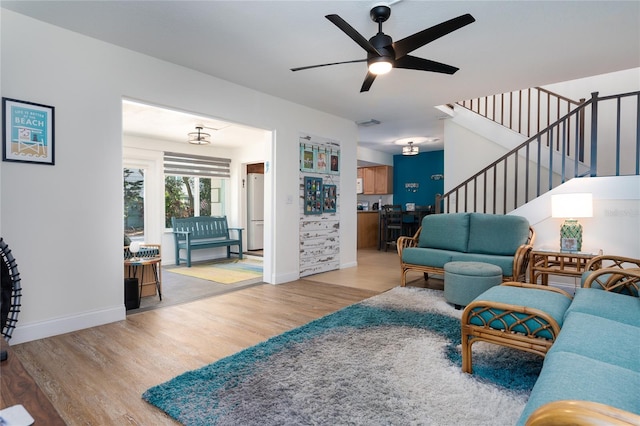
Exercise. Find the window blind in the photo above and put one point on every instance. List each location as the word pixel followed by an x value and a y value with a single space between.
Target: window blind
pixel 196 165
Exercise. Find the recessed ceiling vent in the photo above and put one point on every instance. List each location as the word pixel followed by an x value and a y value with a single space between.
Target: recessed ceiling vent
pixel 369 123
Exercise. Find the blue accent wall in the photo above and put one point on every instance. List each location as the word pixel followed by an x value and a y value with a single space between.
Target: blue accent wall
pixel 417 169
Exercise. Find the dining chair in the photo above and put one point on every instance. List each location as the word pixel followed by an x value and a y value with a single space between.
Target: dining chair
pixel 392 224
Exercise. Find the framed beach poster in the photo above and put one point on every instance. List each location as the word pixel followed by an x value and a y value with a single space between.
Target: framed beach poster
pixel 307 158
pixel 27 132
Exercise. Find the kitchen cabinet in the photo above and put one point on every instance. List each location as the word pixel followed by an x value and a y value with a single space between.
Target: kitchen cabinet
pixel 377 180
pixel 368 229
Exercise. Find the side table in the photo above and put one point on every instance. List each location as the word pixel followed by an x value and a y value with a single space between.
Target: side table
pixel 569 264
pixel 153 262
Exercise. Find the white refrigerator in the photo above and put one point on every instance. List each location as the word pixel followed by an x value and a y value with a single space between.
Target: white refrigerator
pixel 255 211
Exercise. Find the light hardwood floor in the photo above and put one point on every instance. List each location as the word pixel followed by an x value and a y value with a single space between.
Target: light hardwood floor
pixel 97 376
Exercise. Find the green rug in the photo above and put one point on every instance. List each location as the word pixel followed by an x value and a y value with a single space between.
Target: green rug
pixel 227 271
pixel 392 359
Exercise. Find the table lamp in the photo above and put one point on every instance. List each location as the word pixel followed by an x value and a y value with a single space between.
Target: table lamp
pixel 134 248
pixel 570 207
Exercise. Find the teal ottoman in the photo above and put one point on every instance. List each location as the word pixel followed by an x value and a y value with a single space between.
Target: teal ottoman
pixel 464 281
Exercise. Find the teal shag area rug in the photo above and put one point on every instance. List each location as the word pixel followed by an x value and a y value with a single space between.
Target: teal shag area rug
pixel 393 359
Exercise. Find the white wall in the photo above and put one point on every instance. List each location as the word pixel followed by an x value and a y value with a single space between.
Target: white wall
pixel 368 156
pixel 64 222
pixel 614 227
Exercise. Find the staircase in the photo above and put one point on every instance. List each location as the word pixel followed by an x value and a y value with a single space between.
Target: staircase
pixel 565 139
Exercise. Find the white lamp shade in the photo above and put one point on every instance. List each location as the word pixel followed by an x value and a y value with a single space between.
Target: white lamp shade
pixel 134 247
pixel 572 205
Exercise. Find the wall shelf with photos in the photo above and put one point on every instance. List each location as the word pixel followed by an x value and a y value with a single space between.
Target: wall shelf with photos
pixel 319 159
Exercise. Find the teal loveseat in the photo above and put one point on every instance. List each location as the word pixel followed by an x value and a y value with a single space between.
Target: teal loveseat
pixel 502 240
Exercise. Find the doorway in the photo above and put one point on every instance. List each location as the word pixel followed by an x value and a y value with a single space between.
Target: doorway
pixel 148 133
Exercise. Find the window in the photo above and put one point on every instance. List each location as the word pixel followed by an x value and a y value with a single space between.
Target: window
pixel 133 202
pixel 182 199
pixel 194 185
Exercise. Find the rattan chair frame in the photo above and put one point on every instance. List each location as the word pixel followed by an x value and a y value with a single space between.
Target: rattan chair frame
pixel 520 259
pixel 16 290
pixel 529 341
pixel 581 413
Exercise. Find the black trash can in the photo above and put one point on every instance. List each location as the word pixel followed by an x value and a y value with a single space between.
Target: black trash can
pixel 131 293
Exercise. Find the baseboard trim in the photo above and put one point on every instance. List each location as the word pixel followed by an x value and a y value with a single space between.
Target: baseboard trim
pixel 285 278
pixel 40 330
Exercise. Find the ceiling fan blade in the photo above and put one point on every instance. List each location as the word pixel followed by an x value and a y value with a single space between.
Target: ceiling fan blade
pixel 353 34
pixel 326 65
pixel 414 63
pixel 419 39
pixel 368 81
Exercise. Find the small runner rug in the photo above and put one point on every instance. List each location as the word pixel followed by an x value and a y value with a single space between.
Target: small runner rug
pixel 393 359
pixel 228 271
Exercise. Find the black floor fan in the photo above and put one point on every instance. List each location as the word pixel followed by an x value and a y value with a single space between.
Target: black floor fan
pixel 10 294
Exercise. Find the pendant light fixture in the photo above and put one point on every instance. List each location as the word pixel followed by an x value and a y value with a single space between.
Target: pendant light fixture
pixel 410 149
pixel 199 137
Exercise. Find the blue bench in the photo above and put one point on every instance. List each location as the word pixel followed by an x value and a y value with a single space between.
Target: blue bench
pixel 192 233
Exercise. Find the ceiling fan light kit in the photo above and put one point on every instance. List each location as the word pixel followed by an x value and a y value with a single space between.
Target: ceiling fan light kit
pixel 383 53
pixel 380 65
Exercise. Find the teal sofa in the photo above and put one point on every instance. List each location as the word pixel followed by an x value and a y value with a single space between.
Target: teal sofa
pixel 590 343
pixel 502 240
pixel 591 373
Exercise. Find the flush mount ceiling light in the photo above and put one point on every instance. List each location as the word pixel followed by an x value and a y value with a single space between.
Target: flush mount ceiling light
pixel 410 149
pixel 199 137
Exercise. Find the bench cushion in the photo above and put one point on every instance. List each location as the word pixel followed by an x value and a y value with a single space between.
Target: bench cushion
pixel 445 231
pixel 613 306
pixel 552 303
pixel 567 375
pixel 496 234
pixel 600 338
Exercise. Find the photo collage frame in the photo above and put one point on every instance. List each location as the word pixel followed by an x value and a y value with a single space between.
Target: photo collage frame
pixel 319 198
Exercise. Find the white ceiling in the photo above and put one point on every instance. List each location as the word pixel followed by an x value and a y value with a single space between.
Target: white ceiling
pixel 154 122
pixel 512 45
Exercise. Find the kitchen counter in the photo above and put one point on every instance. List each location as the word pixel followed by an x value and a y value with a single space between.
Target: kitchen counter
pixel 368 229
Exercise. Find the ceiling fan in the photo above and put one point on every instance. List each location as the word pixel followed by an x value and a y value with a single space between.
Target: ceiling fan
pixel 383 54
